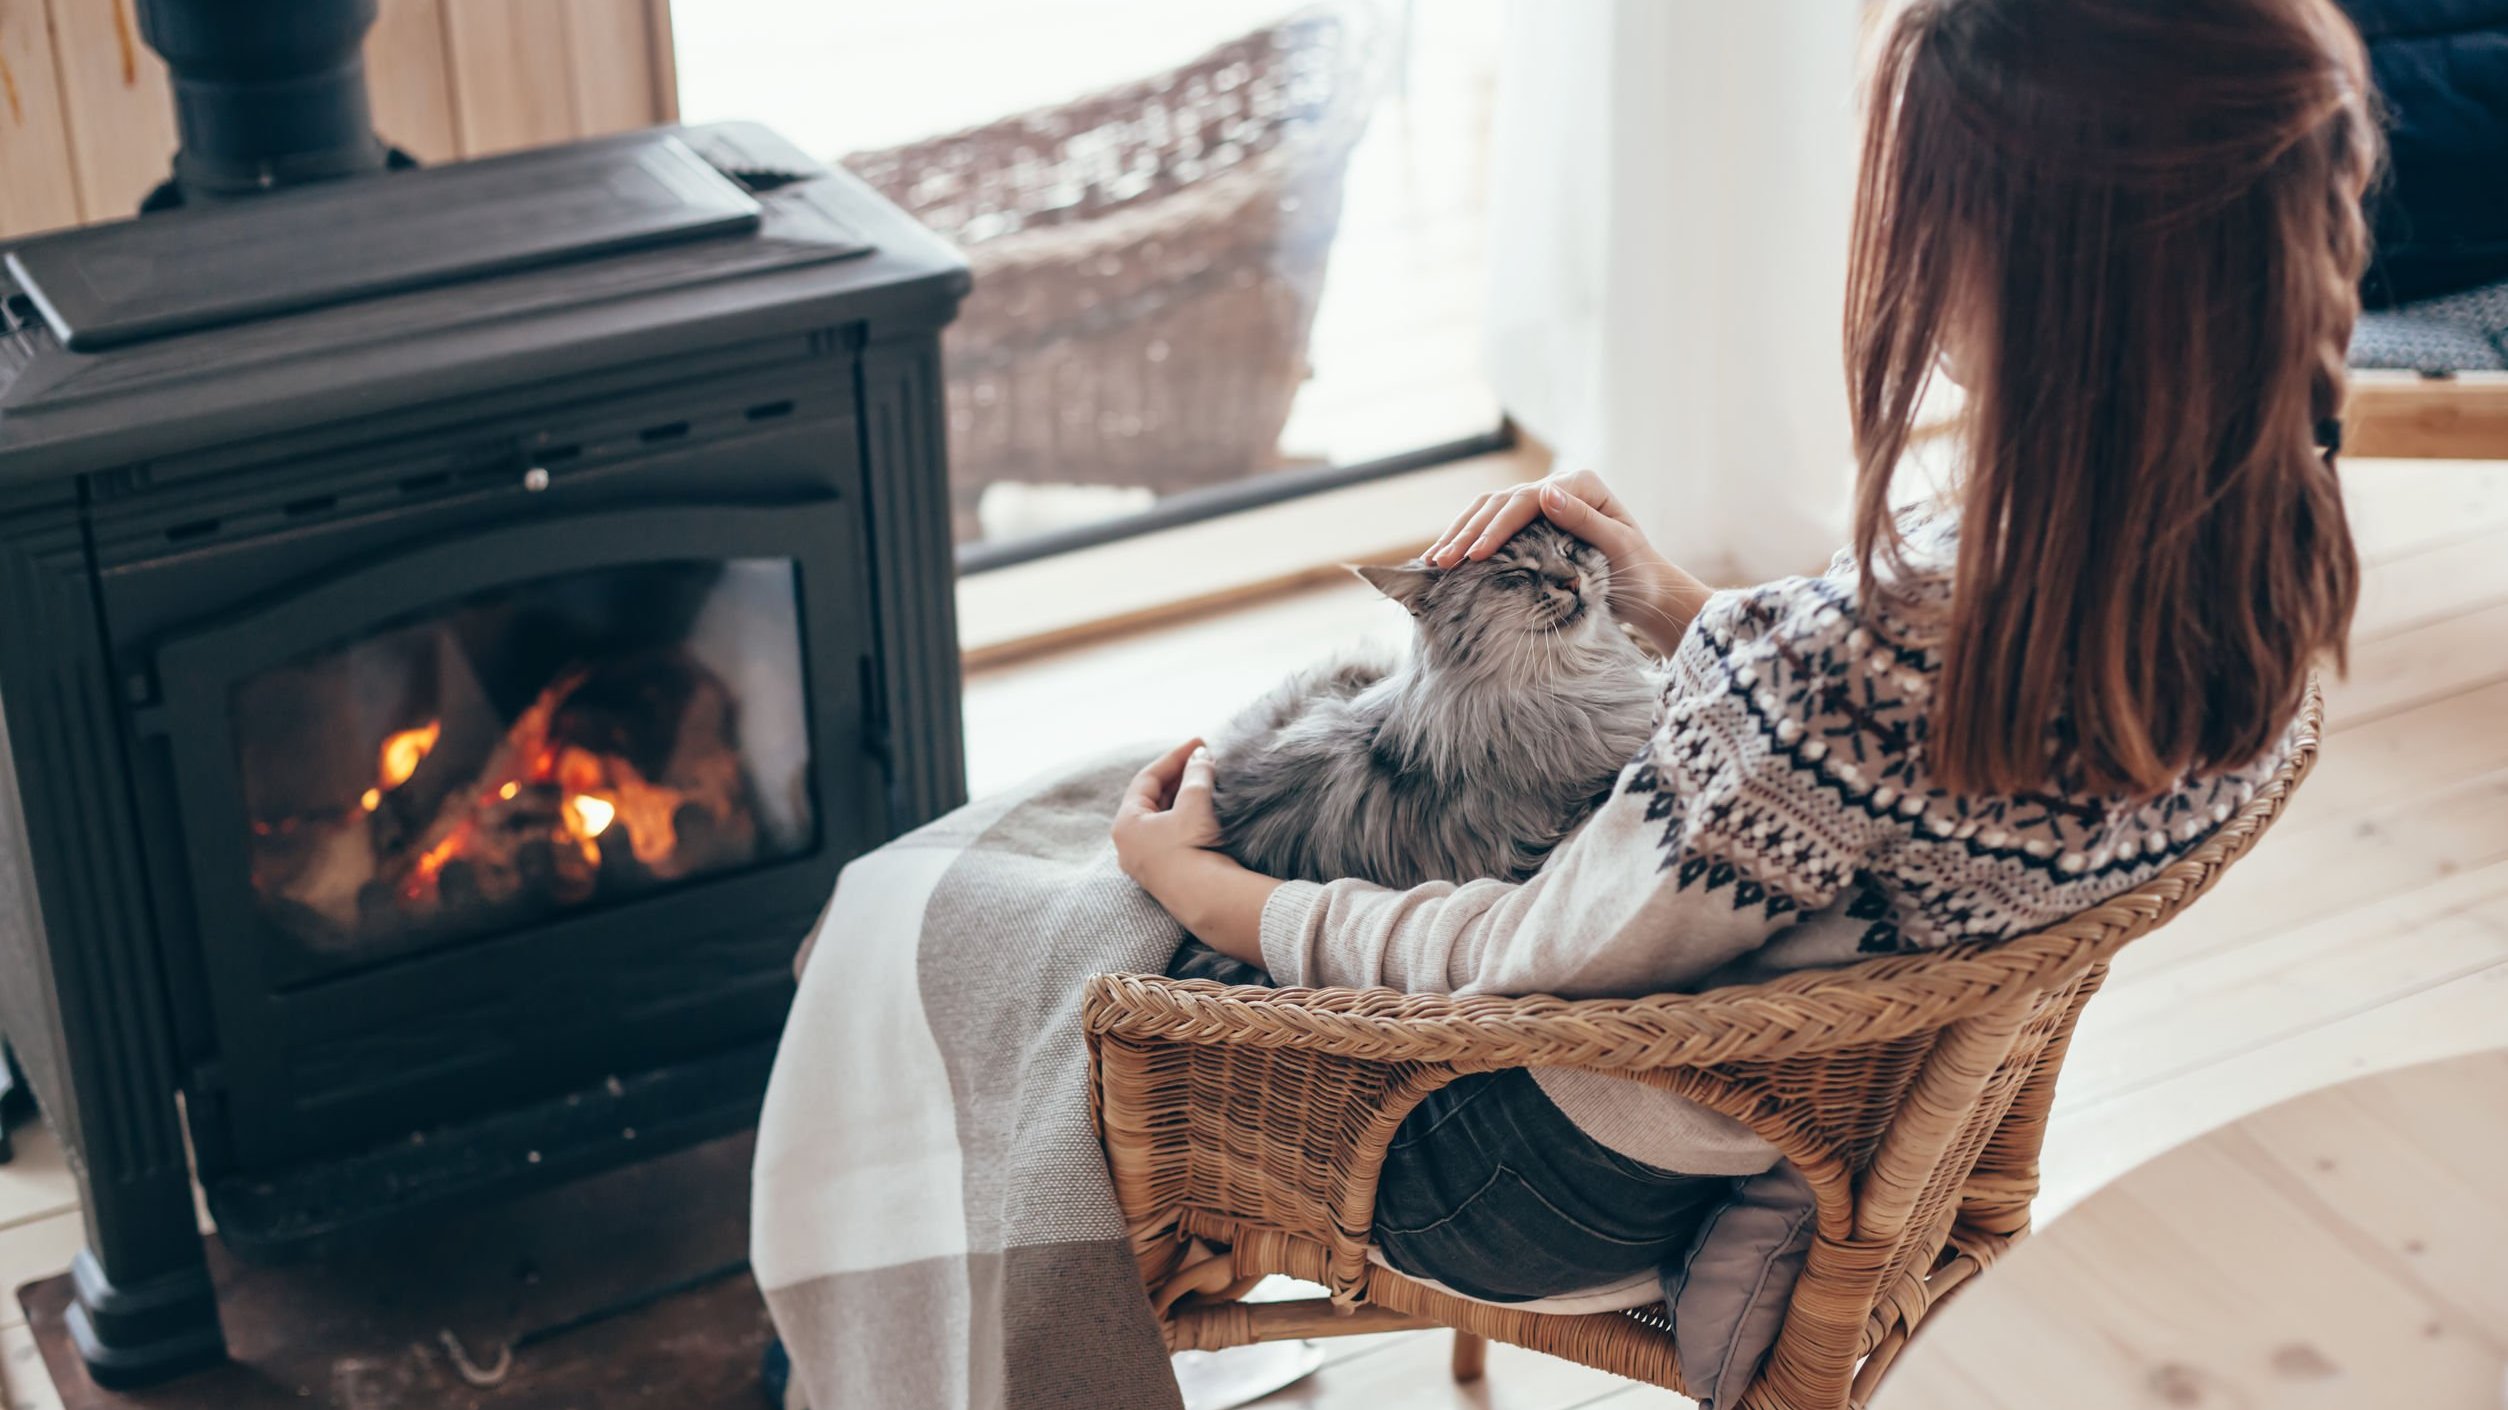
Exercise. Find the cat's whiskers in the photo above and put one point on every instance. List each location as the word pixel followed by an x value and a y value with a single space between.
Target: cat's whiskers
pixel 1633 610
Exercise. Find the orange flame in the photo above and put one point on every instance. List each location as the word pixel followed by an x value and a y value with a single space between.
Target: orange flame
pixel 602 799
pixel 401 752
pixel 590 813
pixel 431 862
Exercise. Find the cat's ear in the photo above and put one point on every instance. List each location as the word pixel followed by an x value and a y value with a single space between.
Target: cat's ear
pixel 1403 582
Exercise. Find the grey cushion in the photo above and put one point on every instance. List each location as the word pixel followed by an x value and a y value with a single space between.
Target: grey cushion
pixel 1729 1294
pixel 2466 332
pixel 2406 343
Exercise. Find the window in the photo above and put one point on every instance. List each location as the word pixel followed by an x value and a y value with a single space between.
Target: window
pixel 1225 252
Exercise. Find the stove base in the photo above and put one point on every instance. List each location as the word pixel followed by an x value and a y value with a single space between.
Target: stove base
pixel 273 1219
pixel 138 1334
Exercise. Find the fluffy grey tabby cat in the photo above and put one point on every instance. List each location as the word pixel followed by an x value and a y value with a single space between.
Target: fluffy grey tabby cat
pixel 1520 702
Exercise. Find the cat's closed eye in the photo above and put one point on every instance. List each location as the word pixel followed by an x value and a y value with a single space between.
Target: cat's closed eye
pixel 1516 578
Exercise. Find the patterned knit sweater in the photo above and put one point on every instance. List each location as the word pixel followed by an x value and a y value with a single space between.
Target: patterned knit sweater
pixel 1781 817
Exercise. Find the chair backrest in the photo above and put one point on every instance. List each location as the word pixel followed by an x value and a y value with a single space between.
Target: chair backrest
pixel 1922 1139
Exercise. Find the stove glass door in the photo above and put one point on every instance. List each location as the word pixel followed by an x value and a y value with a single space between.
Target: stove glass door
pixel 542 747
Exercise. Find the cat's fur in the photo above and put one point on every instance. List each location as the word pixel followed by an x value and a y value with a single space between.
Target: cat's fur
pixel 1520 702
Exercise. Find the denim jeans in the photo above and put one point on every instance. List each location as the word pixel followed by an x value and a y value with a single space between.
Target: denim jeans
pixel 1489 1189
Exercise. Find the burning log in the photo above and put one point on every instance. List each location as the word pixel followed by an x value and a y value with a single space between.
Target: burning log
pixel 620 775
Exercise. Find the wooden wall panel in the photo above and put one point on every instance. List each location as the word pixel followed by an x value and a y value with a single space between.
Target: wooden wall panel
pixel 87 123
pixel 610 46
pixel 512 84
pixel 410 79
pixel 657 28
pixel 115 99
pixel 38 189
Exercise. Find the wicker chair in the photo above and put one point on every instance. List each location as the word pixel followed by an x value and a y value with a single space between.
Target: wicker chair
pixel 1246 1128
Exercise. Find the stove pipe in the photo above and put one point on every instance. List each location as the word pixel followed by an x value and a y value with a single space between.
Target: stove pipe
pixel 267 93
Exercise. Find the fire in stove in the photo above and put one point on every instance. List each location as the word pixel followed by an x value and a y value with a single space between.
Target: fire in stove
pixel 618 776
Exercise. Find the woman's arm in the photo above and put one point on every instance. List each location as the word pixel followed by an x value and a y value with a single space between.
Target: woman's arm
pixel 1166 833
pixel 1641 900
pixel 1664 885
pixel 1717 837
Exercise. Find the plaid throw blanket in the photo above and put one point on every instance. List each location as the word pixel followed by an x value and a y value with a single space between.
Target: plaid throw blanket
pixel 932 1220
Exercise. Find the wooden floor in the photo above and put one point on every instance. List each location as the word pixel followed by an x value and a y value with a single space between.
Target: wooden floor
pixel 2370 931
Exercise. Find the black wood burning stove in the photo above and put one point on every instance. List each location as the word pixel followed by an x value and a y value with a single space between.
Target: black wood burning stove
pixel 457 623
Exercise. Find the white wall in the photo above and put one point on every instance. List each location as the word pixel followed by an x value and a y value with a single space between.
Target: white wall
pixel 1672 185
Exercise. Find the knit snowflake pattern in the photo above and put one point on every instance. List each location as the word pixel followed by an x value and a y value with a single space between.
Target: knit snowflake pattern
pixel 1788 775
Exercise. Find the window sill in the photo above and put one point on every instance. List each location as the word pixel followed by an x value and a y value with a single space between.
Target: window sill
pixel 1031 609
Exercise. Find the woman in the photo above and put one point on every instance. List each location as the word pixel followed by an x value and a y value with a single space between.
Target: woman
pixel 2131 230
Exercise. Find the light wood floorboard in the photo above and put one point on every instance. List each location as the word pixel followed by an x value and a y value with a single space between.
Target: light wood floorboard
pixel 24 1384
pixel 37 1182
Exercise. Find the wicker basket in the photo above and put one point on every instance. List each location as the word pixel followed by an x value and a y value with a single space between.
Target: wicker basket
pixel 1246 1127
pixel 1147 262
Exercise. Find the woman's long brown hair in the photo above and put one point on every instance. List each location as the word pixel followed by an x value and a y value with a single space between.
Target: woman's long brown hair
pixel 2134 228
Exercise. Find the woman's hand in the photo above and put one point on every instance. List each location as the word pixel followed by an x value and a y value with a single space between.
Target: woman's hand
pixel 1166 832
pixel 1647 591
pixel 1166 815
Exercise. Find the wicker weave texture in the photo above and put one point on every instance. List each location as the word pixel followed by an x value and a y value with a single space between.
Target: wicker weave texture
pixel 1147 262
pixel 1911 1090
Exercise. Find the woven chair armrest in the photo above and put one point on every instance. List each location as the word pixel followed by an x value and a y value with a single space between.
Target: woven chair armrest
pixel 1786 1017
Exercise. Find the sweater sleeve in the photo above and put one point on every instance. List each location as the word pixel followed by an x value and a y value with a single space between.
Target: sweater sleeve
pixel 1709 845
